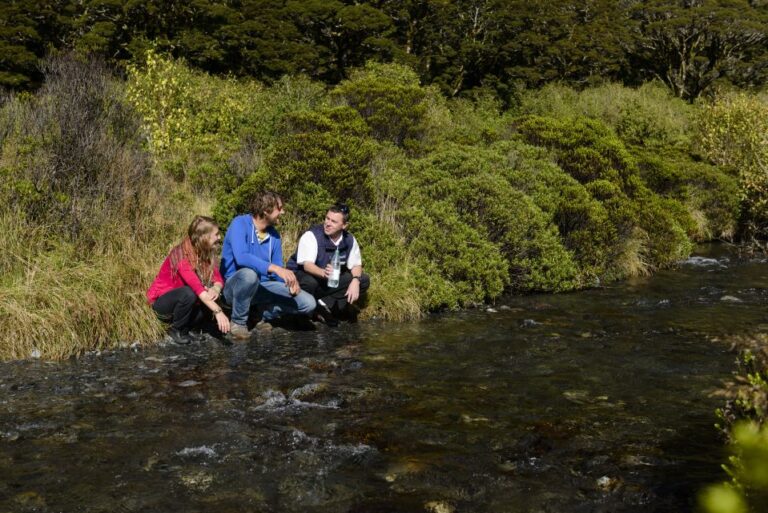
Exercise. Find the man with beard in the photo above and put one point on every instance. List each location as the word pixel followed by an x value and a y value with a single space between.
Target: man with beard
pixel 252 265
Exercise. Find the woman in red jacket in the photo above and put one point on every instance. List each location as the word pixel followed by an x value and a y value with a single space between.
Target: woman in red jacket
pixel 189 283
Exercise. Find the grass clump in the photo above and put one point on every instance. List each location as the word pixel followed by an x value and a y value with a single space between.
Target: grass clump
pixel 83 216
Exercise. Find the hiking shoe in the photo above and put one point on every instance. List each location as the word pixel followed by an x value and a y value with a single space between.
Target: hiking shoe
pixel 239 332
pixel 180 336
pixel 263 325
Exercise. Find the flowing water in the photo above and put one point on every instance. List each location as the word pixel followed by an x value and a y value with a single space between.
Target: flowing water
pixel 593 401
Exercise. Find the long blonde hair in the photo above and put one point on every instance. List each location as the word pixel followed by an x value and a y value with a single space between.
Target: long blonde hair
pixel 195 249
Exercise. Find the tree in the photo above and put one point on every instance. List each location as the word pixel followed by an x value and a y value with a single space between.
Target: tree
pixel 689 44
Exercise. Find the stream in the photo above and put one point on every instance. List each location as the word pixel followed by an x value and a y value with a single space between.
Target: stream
pixel 596 401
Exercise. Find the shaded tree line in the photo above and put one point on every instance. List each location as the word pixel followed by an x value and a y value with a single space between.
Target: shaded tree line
pixel 462 46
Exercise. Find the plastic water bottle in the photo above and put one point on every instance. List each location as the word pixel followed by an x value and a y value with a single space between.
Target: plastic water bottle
pixel 333 281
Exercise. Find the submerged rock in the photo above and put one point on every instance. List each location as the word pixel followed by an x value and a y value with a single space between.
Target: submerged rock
pixel 197 480
pixel 439 507
pixel 189 383
pixel 608 484
pixel 30 500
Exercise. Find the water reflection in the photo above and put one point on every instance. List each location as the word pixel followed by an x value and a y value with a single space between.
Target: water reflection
pixel 596 401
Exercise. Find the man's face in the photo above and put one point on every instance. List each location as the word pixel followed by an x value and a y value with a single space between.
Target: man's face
pixel 272 217
pixel 334 224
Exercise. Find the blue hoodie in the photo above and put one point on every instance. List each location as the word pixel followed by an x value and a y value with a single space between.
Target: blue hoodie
pixel 242 248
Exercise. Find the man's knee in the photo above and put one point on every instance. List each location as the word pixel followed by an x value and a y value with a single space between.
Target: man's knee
pixel 365 282
pixel 246 276
pixel 305 303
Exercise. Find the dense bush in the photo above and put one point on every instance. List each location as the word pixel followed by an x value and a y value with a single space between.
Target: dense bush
pixel 619 223
pixel 647 116
pixel 734 135
pixel 71 155
pixel 390 99
pixel 207 131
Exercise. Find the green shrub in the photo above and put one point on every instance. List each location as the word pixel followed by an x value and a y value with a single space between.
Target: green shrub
pixel 748 467
pixel 734 134
pixel 200 122
pixel 71 156
pixel 710 196
pixel 648 116
pixel 390 99
pixel 630 218
pixel 322 157
pixel 465 188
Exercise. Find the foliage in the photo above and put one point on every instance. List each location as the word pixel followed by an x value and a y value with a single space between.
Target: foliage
pixel 615 210
pixel 454 201
pixel 390 100
pixel 199 124
pixel 743 421
pixel 462 47
pixel 689 45
pixel 72 154
pixel 85 222
pixel 734 135
pixel 648 116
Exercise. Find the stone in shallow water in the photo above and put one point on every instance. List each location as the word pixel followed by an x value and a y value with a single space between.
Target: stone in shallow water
pixel 189 383
pixel 730 299
pixel 197 480
pixel 608 484
pixel 439 507
pixel 30 500
pixel 203 450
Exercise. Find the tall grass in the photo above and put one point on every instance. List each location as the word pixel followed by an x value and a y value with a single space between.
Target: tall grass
pixel 85 221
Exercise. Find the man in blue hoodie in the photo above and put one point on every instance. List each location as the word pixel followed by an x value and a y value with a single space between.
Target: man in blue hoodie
pixel 252 267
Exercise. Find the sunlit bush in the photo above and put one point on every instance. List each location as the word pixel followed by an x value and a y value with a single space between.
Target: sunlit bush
pixel 734 134
pixel 390 99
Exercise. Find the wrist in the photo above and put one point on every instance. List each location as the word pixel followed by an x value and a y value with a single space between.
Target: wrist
pixel 217 311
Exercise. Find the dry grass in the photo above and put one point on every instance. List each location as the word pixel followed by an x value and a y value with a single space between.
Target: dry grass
pixel 631 260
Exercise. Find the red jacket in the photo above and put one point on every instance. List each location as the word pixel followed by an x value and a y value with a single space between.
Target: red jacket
pixel 186 276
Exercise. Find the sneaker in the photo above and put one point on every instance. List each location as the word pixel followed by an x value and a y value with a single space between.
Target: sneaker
pixel 239 332
pixel 180 336
pixel 263 325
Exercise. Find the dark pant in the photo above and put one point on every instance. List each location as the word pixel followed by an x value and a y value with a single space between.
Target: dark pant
pixel 180 308
pixel 331 296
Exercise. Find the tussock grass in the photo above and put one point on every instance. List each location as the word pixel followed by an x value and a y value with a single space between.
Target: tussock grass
pixel 61 302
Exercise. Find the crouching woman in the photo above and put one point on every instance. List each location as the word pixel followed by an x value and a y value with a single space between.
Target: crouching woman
pixel 186 288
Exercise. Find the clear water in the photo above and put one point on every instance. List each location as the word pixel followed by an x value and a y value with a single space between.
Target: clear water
pixel 597 401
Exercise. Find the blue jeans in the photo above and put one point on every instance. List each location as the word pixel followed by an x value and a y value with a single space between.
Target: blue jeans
pixel 243 290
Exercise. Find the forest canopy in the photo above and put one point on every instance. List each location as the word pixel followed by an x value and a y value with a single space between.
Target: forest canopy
pixel 465 47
